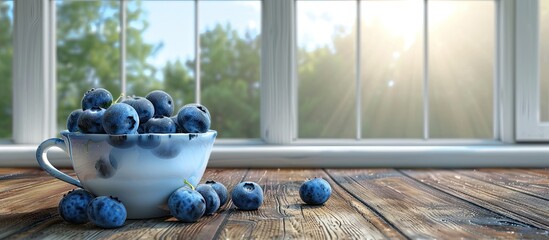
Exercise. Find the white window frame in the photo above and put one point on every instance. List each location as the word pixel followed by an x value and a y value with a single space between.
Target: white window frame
pixel 426 139
pixel 530 128
pixel 278 146
pixel 282 118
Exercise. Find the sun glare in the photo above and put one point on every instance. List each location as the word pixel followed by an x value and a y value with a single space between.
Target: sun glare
pixel 392 52
pixel 390 14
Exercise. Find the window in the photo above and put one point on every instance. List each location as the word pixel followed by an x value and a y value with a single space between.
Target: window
pixel 412 75
pixel 395 93
pixel 461 67
pixel 159 44
pixel 544 59
pixel 229 65
pixel 392 65
pixel 531 69
pixel 326 40
pixel 88 52
pixel 6 51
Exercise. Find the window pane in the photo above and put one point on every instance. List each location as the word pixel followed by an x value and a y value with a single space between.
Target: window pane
pixel 160 49
pixel 6 50
pixel 461 65
pixel 87 52
pixel 544 59
pixel 229 64
pixel 392 69
pixel 326 62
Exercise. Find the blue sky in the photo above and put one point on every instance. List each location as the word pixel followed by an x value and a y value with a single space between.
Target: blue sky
pixel 10 6
pixel 172 23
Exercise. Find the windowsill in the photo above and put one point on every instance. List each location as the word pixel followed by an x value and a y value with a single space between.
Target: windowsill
pixel 283 156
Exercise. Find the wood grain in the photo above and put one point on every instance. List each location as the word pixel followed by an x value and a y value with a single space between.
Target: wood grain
pixel 25 181
pixel 525 208
pixel 420 211
pixel 543 172
pixel 284 216
pixel 6 173
pixel 29 202
pixel 365 204
pixel 527 182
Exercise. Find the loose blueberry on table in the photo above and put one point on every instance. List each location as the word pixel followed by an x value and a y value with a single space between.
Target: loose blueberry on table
pixel 106 212
pixel 315 191
pixel 186 204
pixel 247 196
pixel 73 205
pixel 221 191
pixel 210 196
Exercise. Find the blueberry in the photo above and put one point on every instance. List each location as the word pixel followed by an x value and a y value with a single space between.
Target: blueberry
pixel 72 207
pixel 247 196
pixel 178 128
pixel 104 168
pixel 186 205
pixel 141 128
pixel 121 141
pixel 90 121
pixel 162 102
pixel 106 212
pixel 168 150
pixel 148 141
pixel 160 124
pixel 142 106
pixel 120 118
pixel 210 196
pixel 315 191
pixel 72 120
pixel 221 191
pixel 194 118
pixel 96 98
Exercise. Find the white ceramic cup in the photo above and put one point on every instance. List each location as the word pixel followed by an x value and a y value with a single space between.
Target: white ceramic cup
pixel 142 170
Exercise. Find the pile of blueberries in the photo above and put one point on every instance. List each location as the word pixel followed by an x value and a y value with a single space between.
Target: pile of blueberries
pixel 133 115
pixel 152 114
pixel 187 204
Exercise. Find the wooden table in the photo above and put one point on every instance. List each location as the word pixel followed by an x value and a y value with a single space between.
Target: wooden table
pixel 365 204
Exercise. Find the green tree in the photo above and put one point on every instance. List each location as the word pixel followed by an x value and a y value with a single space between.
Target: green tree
pixel 179 83
pixel 229 81
pixel 140 73
pixel 6 52
pixel 88 52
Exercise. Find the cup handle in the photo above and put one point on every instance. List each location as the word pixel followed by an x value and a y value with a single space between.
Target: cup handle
pixel 42 158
